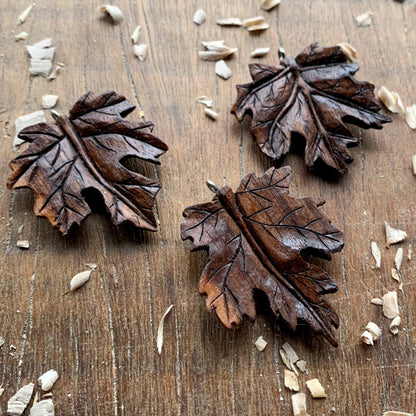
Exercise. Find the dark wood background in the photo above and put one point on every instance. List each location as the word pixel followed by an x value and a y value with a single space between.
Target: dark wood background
pixel 102 339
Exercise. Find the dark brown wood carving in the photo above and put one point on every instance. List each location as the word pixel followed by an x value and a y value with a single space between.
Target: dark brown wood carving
pixel 312 95
pixel 255 238
pixel 86 150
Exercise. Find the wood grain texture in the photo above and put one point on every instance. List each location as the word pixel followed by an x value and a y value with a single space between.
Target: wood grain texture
pixel 102 338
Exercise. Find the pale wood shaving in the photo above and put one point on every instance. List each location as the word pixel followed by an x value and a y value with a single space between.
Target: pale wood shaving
pixel 113 11
pixel 259 52
pixel 290 353
pixel 18 403
pixel 394 325
pixel 364 20
pixel 55 72
pixel 287 362
pixel 24 15
pixel 377 301
pixel 299 404
pixel 375 251
pixel 20 229
pixel 374 330
pixel 48 379
pixel 349 51
pixel 230 21
pixel 396 413
pixel 411 116
pixel 41 57
pixel 316 389
pixel 398 259
pixel 23 244
pixel 395 275
pixel 291 380
pixel 391 100
pixel 49 100
pixel 409 250
pixel 43 408
pixel 79 280
pixel 1 390
pixel 215 50
pixel 2 341
pixel 211 113
pixel 222 69
pixel 92 266
pixel 255 23
pixel 269 4
pixel 21 36
pixel 200 17
pixel 390 305
pixel 393 235
pixel 136 34
pixel 159 341
pixel 301 364
pixel 205 101
pixel 260 343
pixel 141 51
pixel 367 338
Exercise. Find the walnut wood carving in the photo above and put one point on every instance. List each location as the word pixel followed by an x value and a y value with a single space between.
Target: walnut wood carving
pixel 312 95
pixel 255 238
pixel 85 151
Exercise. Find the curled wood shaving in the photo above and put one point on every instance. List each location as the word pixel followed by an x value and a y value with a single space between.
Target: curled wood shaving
pixel 49 100
pixel 349 51
pixel 372 333
pixel 136 34
pixel 395 275
pixel 291 380
pixel 260 343
pixel 21 36
pixel 255 23
pixel 316 389
pixel 222 69
pixel 211 113
pixel 394 325
pixel 259 52
pixel 24 15
pixel 398 259
pixel 411 116
pixel 18 403
pixel 367 338
pixel 141 51
pixel 200 17
pixel 113 11
pixel 290 353
pixel 48 379
pixel 375 251
pixel 390 305
pixel 215 50
pixel 393 235
pixel 364 20
pixel 377 301
pixel 301 364
pixel 41 57
pixel 43 408
pixel 269 4
pixel 205 101
pixel 391 100
pixel 23 244
pixel 159 341
pixel 299 404
pixel 229 21
pixel 79 280
pixel 396 413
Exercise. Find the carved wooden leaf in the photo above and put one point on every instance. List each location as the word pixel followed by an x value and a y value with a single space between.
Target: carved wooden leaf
pixel 84 151
pixel 255 238
pixel 313 95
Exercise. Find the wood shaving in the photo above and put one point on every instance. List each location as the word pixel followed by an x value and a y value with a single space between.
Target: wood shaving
pixel 48 379
pixel 299 404
pixel 316 389
pixel 222 69
pixel 364 20
pixel 92 266
pixel 113 11
pixel 414 164
pixel 141 51
pixel 55 72
pixel 409 252
pixel 21 36
pixel 367 338
pixel 79 280
pixel 200 17
pixel 391 100
pixel 1 390
pixel 374 330
pixel 256 23
pixel 291 380
pixel 377 301
pixel 205 101
pixel 394 325
pixel 395 275
pixel 411 116
pixel 136 35
pixel 23 244
pixel 398 258
pixel 215 50
pixel 269 4
pixel 2 341
pixel 287 362
pixel 375 251
pixel 43 408
pixel 18 403
pixel 20 229
pixel 260 343
pixel 349 51
pixel 393 235
pixel 159 341
pixel 301 364
pixel 259 52
pixel 230 21
pixel 396 413
pixel 49 100
pixel 390 305
pixel 41 57
pixel 290 353
pixel 211 113
pixel 24 15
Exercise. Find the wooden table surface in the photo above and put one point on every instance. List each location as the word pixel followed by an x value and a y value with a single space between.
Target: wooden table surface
pixel 102 338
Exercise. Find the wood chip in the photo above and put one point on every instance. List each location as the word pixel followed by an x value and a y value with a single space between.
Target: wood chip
pixel 55 72
pixel 395 275
pixel 24 15
pixel 375 251
pixel 396 413
pixel 255 23
pixel 374 330
pixel 159 341
pixel 23 244
pixel 41 57
pixel 349 51
pixel 364 20
pixel 377 301
pixel 301 364
pixel 394 325
pixel 26 121
pixel 260 343
pixel 222 69
pixel 390 305
pixel 18 403
pixel 215 50
pixel 290 353
pixel 367 338
pixel 287 362
pixel 48 379
pixel 291 380
pixel 230 21
pixel 79 280
pixel 49 100
pixel 409 252
pixel 398 259
pixel 2 341
pixel 414 164
pixel 269 4
pixel 21 36
pixel 211 113
pixel 299 404
pixel 391 100
pixel 43 408
pixel 1 390
pixel 141 51
pixel 205 101
pixel 92 266
pixel 200 17
pixel 393 235
pixel 259 52
pixel 411 116
pixel 316 389
pixel 113 11
pixel 136 35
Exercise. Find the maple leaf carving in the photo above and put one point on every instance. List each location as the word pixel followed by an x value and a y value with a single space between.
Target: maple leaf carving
pixel 255 238
pixel 86 150
pixel 313 95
